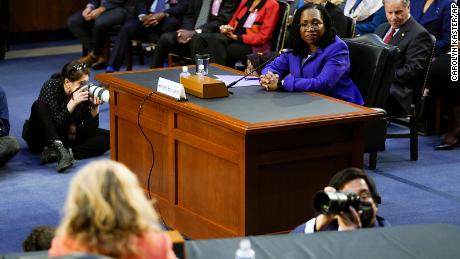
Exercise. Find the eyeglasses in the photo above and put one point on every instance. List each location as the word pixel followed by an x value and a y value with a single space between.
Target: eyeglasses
pixel 314 25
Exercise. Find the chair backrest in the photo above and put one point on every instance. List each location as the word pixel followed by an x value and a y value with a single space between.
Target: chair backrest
pixel 373 65
pixel 418 93
pixel 350 27
pixel 279 33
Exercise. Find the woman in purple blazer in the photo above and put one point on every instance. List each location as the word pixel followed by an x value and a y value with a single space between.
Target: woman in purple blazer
pixel 319 61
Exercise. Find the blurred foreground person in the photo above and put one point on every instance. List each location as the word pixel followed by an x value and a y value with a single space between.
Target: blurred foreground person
pixel 106 213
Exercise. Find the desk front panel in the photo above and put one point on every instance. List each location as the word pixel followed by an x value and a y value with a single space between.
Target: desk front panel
pixel 217 176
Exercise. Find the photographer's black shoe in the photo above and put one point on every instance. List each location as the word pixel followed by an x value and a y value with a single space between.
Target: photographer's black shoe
pixel 65 156
pixel 49 155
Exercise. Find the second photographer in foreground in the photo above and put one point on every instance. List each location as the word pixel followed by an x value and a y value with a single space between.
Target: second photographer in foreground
pixel 350 182
pixel 64 120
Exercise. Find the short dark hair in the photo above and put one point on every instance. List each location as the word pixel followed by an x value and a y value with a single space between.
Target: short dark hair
pixel 39 239
pixel 299 46
pixel 349 174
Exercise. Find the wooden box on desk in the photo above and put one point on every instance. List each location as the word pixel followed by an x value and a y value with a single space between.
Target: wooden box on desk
pixel 204 87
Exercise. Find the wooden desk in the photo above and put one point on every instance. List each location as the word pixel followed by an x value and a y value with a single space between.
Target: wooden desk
pixel 246 164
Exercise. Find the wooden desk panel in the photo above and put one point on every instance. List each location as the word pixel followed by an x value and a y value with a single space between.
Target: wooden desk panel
pixel 218 176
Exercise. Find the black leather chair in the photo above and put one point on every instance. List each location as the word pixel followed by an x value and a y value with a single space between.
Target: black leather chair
pixel 373 65
pixel 350 27
pixel 410 119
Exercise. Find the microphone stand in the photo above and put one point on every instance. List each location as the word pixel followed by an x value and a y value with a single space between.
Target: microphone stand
pixel 255 69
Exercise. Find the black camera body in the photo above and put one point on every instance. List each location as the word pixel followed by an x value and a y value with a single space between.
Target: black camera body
pixel 337 202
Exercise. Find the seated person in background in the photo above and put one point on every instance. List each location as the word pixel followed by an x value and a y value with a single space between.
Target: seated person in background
pixel 91 25
pixel 255 60
pixel 9 146
pixel 249 31
pixel 319 61
pixel 64 116
pixel 415 45
pixel 153 18
pixel 351 180
pixel 368 14
pixel 39 239
pixel 202 16
pixel 435 16
pixel 443 89
pixel 339 21
pixel 107 213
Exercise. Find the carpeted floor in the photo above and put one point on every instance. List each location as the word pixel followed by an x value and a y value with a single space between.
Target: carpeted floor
pixel 426 191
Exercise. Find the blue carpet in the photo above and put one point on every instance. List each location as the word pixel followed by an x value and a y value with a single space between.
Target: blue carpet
pixel 32 194
pixel 426 191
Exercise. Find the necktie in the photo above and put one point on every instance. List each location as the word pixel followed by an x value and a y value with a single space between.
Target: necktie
pixel 204 13
pixel 389 36
pixel 160 6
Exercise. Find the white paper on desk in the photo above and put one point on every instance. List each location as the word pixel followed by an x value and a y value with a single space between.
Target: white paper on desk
pixel 248 81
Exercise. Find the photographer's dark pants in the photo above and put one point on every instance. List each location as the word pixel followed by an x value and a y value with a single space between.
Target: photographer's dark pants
pixel 40 132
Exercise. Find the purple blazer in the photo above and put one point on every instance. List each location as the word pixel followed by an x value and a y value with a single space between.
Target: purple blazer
pixel 327 71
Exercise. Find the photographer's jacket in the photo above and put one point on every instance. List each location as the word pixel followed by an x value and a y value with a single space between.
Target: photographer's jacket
pixel 53 95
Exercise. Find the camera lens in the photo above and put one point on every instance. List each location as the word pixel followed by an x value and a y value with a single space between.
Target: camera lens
pixel 334 202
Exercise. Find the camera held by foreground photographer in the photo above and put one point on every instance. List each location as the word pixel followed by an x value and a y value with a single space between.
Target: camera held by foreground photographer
pixel 348 202
pixel 340 202
pixel 97 91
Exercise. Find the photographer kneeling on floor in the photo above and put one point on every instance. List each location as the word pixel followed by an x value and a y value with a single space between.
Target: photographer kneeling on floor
pixel 64 120
pixel 349 202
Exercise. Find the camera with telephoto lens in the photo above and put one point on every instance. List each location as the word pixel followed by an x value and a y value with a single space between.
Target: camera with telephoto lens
pixel 337 202
pixel 97 91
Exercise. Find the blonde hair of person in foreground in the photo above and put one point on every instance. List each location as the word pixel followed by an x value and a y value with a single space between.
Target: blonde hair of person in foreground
pixel 107 213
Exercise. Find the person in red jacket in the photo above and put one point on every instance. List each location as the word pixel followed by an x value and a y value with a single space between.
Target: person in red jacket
pixel 249 31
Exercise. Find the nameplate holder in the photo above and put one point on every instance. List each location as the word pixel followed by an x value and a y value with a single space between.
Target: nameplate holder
pixel 171 89
pixel 204 87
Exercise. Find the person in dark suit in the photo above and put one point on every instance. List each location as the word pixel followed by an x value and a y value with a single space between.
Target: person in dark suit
pixel 415 44
pixel 202 16
pixel 434 15
pixel 9 145
pixel 448 93
pixel 153 18
pixel 91 25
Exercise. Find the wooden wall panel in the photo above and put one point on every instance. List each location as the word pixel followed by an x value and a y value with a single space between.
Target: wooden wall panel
pixel 42 15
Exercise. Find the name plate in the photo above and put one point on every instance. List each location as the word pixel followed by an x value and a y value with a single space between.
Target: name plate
pixel 171 89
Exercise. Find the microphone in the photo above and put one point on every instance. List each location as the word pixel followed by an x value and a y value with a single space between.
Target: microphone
pixel 258 67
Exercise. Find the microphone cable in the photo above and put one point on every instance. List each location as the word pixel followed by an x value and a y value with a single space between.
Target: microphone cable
pixel 148 140
pixel 153 157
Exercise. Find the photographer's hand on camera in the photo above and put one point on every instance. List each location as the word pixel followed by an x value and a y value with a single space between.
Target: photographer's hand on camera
pixel 77 97
pixel 95 103
pixel 346 221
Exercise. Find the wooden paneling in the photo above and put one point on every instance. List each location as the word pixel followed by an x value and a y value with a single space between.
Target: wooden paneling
pixel 42 15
